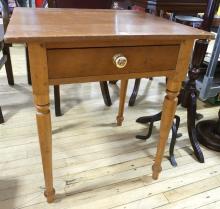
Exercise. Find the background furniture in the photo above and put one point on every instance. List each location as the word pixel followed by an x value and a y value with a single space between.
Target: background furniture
pixel 5 47
pixel 77 39
pixel 187 97
pixel 159 6
pixel 6 13
pixel 89 4
pixel 5 56
pixel 208 131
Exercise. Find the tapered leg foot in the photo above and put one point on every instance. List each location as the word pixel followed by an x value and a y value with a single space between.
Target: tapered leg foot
pixel 50 195
pixel 123 90
pixel 156 171
pixel 119 120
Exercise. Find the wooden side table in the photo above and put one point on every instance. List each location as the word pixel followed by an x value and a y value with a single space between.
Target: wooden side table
pixel 94 45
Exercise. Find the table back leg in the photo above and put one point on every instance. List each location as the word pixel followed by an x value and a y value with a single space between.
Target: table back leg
pixel 123 90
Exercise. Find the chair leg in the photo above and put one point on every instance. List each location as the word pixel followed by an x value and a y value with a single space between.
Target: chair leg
pixel 57 100
pixel 28 67
pixel 8 66
pixel 135 92
pixel 1 116
pixel 105 93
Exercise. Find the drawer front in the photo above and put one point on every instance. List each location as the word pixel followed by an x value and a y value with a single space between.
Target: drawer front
pixel 85 62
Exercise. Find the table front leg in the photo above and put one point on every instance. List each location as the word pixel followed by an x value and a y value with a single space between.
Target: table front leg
pixel 45 139
pixel 168 112
pixel 170 102
pixel 40 85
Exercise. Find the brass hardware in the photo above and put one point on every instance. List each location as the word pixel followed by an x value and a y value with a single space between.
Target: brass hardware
pixel 120 60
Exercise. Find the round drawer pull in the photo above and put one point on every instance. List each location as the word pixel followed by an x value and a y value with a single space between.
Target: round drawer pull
pixel 120 60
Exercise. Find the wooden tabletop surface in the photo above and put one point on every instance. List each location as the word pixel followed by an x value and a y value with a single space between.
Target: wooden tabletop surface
pixel 58 25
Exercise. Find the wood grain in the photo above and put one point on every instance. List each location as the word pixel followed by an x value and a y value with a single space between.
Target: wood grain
pixel 118 173
pixel 39 77
pixel 104 25
pixel 77 62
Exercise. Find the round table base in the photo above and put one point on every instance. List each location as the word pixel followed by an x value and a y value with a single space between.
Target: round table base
pixel 207 136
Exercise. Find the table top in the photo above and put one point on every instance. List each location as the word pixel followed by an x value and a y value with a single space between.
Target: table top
pixel 60 25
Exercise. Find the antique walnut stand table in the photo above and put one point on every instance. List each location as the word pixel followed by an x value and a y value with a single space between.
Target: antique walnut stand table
pixel 72 45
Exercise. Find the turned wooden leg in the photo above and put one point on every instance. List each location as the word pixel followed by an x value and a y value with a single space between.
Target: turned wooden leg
pixel 8 66
pixel 135 92
pixel 28 66
pixel 168 112
pixel 170 102
pixel 57 100
pixel 40 85
pixel 1 116
pixel 123 90
pixel 105 93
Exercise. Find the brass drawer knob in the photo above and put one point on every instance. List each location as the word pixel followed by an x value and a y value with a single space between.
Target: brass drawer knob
pixel 120 60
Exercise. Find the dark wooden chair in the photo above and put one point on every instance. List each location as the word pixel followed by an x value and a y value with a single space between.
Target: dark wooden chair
pixel 178 16
pixel 5 59
pixel 188 94
pixel 6 12
pixel 5 50
pixel 89 4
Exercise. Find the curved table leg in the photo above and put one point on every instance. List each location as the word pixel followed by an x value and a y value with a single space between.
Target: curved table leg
pixel 135 92
pixel 175 128
pixel 105 93
pixel 8 66
pixel 146 120
pixel 56 89
pixel 191 116
pixel 1 116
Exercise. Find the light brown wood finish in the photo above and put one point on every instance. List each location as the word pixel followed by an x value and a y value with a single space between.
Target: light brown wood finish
pixel 39 76
pixel 118 173
pixel 123 90
pixel 98 28
pixel 170 102
pixel 102 58
pixel 101 26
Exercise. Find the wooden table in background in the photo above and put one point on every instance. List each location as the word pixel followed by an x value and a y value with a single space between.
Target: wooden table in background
pixel 172 5
pixel 67 45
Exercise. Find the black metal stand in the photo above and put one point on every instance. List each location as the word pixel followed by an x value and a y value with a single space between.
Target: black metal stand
pixel 1 116
pixel 154 118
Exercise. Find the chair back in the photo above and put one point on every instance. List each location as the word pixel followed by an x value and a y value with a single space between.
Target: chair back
pixel 211 8
pixel 87 4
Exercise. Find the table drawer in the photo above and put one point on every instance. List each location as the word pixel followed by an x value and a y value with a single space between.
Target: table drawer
pixel 69 63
